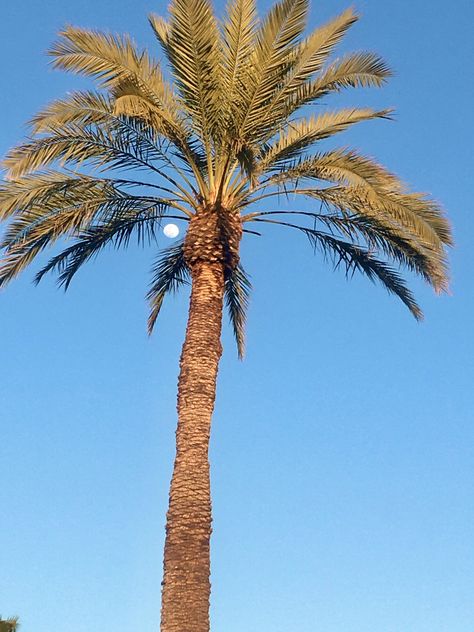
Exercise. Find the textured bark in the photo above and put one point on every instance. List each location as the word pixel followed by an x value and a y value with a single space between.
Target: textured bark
pixel 186 583
pixel 214 234
pixel 210 248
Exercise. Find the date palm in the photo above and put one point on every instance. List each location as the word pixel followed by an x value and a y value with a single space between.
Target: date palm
pixel 214 141
pixel 9 625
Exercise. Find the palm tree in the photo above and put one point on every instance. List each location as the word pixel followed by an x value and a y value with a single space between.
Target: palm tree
pixel 9 625
pixel 231 125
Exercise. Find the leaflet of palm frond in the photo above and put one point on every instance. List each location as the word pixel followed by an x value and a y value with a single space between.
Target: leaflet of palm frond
pixel 422 223
pixel 35 230
pixel 161 29
pixel 81 108
pixel 248 163
pixel 355 258
pixel 358 259
pixel 111 59
pixel 129 102
pixel 418 215
pixel 423 206
pixel 91 241
pixel 48 189
pixel 169 273
pixel 344 165
pixel 72 144
pixel 381 235
pixel 238 38
pixel 193 51
pixel 303 61
pixel 299 135
pixel 237 293
pixel 379 190
pixel 364 70
pixel 280 29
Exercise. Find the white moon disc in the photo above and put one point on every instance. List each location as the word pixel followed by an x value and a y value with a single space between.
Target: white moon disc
pixel 171 230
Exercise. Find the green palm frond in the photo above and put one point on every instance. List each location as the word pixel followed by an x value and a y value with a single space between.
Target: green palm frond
pixel 237 293
pixel 193 51
pixel 46 189
pixel 111 59
pixel 169 273
pixel 344 166
pixel 301 134
pixel 304 60
pixel 229 131
pixel 125 110
pixel 280 30
pixel 161 28
pixel 239 33
pixel 91 241
pixel 80 108
pixel 123 146
pixel 37 228
pixel 370 187
pixel 380 236
pixel 355 258
pixel 356 70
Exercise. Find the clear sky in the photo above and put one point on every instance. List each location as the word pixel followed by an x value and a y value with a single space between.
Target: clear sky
pixel 342 447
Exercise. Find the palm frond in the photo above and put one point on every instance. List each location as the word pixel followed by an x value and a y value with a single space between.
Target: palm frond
pixel 413 213
pixel 169 273
pixel 300 135
pixel 48 189
pixel 238 39
pixel 74 144
pixel 372 188
pixel 192 48
pixel 355 70
pixel 344 166
pixel 380 236
pixel 39 227
pixel 237 292
pixel 91 241
pixel 81 108
pixel 161 29
pixel 355 258
pixel 111 59
pixel 119 66
pixel 127 111
pixel 304 60
pixel 281 29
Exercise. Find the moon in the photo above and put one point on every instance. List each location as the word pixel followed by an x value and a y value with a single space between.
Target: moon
pixel 171 231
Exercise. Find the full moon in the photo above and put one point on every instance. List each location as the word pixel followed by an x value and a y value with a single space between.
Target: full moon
pixel 171 230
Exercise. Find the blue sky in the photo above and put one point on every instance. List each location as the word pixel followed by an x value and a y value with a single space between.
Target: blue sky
pixel 342 447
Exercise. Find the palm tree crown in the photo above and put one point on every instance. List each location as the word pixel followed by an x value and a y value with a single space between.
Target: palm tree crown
pixel 232 129
pixel 9 625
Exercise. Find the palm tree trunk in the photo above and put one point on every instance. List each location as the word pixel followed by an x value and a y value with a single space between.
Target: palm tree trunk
pixel 186 583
